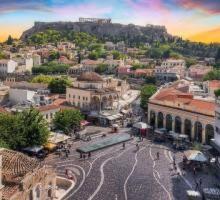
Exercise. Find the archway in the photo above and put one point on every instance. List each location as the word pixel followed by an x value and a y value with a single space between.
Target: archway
pixel 152 118
pixel 104 102
pixel 95 103
pixel 198 132
pixel 178 124
pixel 209 133
pixel 160 120
pixel 188 128
pixel 169 122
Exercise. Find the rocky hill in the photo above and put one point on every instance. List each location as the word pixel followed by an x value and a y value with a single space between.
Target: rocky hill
pixel 108 31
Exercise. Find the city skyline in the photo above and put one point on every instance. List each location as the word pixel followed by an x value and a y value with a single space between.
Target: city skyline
pixel 190 19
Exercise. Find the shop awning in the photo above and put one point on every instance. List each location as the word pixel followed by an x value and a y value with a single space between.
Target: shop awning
pixel 55 137
pixel 193 155
pixel 50 146
pixel 141 125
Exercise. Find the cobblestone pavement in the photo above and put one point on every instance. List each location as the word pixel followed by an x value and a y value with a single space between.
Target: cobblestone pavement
pixel 127 174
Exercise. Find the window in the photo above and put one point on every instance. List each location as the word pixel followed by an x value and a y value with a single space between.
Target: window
pixel 83 98
pixel 79 97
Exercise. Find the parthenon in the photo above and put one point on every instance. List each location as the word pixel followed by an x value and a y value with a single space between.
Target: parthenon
pixel 96 20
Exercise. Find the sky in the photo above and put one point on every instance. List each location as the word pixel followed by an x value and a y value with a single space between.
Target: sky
pixel 198 20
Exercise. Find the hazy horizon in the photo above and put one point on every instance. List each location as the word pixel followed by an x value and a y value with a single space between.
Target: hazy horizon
pixel 190 19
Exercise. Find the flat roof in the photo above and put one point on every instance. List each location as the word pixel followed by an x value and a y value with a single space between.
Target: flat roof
pixel 116 139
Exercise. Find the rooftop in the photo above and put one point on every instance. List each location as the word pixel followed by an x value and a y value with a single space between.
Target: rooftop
pixel 90 77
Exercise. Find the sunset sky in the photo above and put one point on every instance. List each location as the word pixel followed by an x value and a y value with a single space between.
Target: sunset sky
pixel 194 19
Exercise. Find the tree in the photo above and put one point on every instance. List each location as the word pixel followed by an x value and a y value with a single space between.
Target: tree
pixel 67 120
pixel 59 85
pixel 10 40
pixel 93 55
pixel 20 130
pixel 146 92
pixel 54 55
pixel 34 127
pixel 42 79
pixel 101 68
pixel 212 75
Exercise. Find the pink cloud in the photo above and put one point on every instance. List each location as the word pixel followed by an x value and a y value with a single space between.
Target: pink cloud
pixel 209 7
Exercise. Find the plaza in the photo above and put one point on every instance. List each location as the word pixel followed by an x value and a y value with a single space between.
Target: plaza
pixel 128 173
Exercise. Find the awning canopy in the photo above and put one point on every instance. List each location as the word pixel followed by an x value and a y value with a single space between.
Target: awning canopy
pixel 194 155
pixel 34 149
pixel 141 125
pixel 50 146
pixel 57 137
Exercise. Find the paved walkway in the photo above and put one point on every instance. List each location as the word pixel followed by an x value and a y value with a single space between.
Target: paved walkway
pixel 127 174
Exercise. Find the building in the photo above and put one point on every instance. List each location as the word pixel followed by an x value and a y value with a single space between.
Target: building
pixel 183 113
pixel 7 66
pixel 25 92
pixel 197 72
pixel 49 111
pixel 211 86
pixel 25 178
pixel 92 92
pixel 36 60
pixel 170 70
pixel 96 20
pixel 216 140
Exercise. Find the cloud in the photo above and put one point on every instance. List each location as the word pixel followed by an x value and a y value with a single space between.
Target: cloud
pixel 14 5
pixel 85 10
pixel 207 6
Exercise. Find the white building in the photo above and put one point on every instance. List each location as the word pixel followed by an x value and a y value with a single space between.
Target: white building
pixel 170 70
pixel 7 66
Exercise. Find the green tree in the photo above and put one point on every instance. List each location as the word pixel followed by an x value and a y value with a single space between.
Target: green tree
pixel 116 55
pixel 59 85
pixel 93 55
pixel 67 120
pixel 212 75
pixel 20 130
pixel 101 68
pixel 34 127
pixel 54 55
pixel 10 40
pixel 42 79
pixel 146 92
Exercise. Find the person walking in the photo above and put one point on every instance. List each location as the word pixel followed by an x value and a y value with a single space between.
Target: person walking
pixel 67 155
pixel 137 146
pixel 158 155
pixel 123 145
pixel 194 171
pixel 197 186
pixel 89 155
pixel 200 183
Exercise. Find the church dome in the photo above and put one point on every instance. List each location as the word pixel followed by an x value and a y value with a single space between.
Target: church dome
pixel 90 77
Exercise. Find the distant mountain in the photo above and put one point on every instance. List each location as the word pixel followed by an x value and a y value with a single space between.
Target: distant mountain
pixel 106 31
pixel 132 35
pixel 207 36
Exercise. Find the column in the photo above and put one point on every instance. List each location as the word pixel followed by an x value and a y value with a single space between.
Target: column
pixel 173 123
pixel 193 131
pixel 156 120
pixel 182 126
pixel 148 116
pixel 203 135
pixel 164 121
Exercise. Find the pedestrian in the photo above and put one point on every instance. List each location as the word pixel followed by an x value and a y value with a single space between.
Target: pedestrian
pixel 174 159
pixel 197 186
pixel 80 155
pixel 89 155
pixel 137 146
pixel 200 183
pixel 123 145
pixel 158 155
pixel 194 171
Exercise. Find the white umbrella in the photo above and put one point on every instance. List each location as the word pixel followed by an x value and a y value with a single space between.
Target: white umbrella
pixel 194 155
